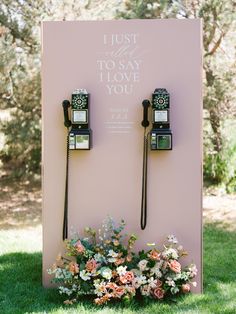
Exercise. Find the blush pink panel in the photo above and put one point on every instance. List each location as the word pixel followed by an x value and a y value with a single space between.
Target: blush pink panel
pixel 120 63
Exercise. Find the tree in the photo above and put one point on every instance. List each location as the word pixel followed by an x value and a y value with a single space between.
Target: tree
pixel 219 71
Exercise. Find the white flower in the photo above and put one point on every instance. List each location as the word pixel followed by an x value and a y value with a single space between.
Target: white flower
pixel 100 287
pixel 106 272
pixel 180 248
pixel 170 253
pixel 149 6
pixel 112 253
pixel 171 238
pixel 152 282
pixel 170 282
pixel 84 275
pixel 65 290
pixel 155 270
pixel 138 281
pixel 193 270
pixel 99 258
pixel 145 290
pixel 194 283
pixel 121 270
pixel 143 265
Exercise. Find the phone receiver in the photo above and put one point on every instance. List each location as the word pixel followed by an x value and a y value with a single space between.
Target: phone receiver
pixel 66 105
pixel 146 104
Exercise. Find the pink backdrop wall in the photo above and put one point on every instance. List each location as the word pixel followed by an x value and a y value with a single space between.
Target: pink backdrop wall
pixel 119 72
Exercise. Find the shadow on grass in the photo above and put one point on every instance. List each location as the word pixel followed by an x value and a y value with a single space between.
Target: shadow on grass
pixel 21 288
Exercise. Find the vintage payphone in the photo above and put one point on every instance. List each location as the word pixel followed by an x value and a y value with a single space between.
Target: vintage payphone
pixel 80 134
pixel 77 121
pixel 160 137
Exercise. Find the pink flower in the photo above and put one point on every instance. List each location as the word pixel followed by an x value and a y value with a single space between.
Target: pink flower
pixel 91 265
pixel 154 255
pixel 73 267
pixel 175 266
pixel 127 277
pixel 158 283
pixel 186 288
pixel 119 261
pixel 158 293
pixel 119 291
pixel 79 247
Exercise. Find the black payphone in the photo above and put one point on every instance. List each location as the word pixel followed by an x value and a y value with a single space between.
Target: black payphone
pixel 160 137
pixel 79 135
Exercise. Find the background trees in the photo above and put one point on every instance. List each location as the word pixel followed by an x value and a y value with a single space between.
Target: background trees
pixel 20 73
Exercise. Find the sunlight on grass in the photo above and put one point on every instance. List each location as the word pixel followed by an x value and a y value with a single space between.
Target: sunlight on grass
pixel 21 240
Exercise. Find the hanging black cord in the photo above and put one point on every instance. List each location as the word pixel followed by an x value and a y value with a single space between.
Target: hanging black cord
pixel 143 221
pixel 65 220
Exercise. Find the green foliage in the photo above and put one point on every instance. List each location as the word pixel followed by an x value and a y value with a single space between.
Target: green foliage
pixel 20 91
pixel 20 68
pixel 23 145
pixel 219 168
pixel 219 73
pixel 21 290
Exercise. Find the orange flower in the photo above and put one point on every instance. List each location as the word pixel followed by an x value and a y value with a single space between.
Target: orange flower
pixel 129 258
pixel 127 277
pixel 119 261
pixel 186 288
pixel 154 255
pixel 91 265
pixel 79 247
pixel 175 266
pixel 73 267
pixel 116 242
pixel 119 291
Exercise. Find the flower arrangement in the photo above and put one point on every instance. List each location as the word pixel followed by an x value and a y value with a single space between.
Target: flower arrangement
pixel 103 264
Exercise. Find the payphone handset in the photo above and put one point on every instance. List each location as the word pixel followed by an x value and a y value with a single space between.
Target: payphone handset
pixel 80 134
pixel 161 136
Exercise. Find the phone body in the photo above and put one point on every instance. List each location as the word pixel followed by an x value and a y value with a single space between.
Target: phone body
pixel 160 134
pixel 80 134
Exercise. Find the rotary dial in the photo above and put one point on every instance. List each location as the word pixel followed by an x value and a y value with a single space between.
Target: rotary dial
pixel 79 101
pixel 161 101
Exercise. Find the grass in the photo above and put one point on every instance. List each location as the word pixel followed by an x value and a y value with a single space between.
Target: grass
pixel 21 290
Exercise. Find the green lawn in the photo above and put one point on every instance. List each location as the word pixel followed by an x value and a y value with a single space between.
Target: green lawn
pixel 21 290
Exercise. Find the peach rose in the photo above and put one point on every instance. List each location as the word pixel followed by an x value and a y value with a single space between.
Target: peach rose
pixel 119 291
pixel 154 255
pixel 158 283
pixel 73 267
pixel 158 293
pixel 175 266
pixel 91 265
pixel 186 288
pixel 119 261
pixel 129 258
pixel 127 277
pixel 116 242
pixel 111 285
pixel 79 247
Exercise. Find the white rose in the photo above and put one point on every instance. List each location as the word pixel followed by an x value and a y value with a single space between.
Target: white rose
pixel 121 270
pixel 106 272
pixel 84 275
pixel 143 265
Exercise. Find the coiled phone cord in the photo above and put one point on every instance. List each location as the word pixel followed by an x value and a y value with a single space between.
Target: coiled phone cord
pixel 143 220
pixel 65 220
